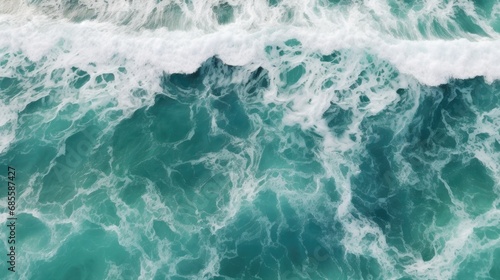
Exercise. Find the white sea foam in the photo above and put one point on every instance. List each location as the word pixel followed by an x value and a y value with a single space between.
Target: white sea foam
pixel 432 62
pixel 104 45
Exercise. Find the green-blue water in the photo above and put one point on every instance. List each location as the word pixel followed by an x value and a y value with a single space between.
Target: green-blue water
pixel 251 140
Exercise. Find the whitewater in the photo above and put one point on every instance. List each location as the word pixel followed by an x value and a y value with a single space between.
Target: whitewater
pixel 251 139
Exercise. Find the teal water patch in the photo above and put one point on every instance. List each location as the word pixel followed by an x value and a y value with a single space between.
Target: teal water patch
pixel 467 24
pixel 95 260
pixel 446 184
pixel 224 13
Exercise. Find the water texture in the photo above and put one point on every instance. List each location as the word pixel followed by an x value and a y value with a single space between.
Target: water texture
pixel 325 139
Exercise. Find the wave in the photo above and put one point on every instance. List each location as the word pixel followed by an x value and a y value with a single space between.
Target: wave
pixel 271 139
pixel 416 20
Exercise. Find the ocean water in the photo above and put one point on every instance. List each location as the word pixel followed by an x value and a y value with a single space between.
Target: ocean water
pixel 187 139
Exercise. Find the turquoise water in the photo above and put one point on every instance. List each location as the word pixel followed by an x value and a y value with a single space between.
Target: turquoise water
pixel 252 140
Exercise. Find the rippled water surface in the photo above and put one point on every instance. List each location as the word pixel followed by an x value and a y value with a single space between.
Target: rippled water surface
pixel 186 139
